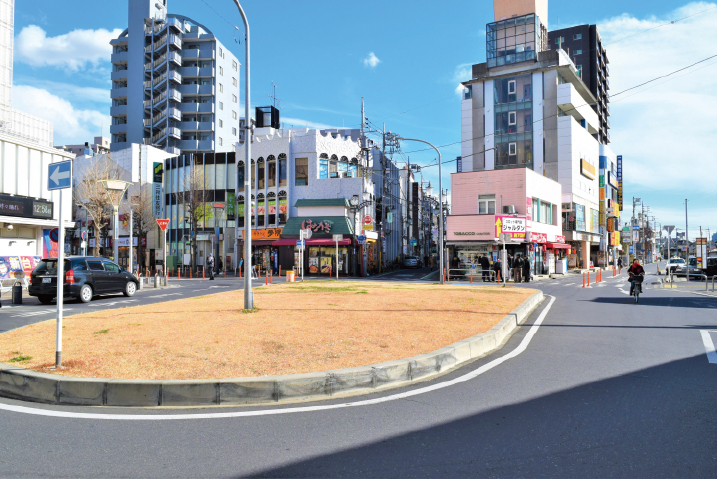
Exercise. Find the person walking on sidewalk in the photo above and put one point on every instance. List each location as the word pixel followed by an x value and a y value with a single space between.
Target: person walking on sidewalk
pixel 498 267
pixel 619 265
pixel 485 267
pixel 518 269
pixel 433 262
pixel 526 269
pixel 210 266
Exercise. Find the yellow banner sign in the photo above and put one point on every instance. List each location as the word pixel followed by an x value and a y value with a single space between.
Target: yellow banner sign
pixel 266 233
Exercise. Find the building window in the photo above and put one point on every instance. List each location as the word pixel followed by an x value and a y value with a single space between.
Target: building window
pixel 234 115
pixel 234 81
pixel 221 88
pixel 580 71
pixel 235 65
pixel 234 98
pixel 221 70
pixel 221 105
pixel 578 36
pixel 323 168
pixel 512 149
pixel 282 204
pixel 271 171
pixel 221 52
pixel 511 87
pixel 512 118
pixel 302 172
pixel 468 92
pixel 282 170
pixel 560 40
pixel 221 123
pixel 260 173
pixel 234 131
pixel 221 141
pixel 578 52
pixel 486 204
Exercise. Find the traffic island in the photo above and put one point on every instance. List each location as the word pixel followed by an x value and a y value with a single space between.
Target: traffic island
pixel 361 336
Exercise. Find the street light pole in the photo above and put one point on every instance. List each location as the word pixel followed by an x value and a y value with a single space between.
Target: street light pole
pixel 440 201
pixel 248 295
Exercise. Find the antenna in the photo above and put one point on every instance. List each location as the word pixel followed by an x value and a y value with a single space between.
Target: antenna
pixel 274 95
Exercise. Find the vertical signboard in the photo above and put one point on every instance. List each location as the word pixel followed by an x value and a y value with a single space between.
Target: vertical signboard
pixel 459 165
pixel 157 190
pixel 231 206
pixel 619 181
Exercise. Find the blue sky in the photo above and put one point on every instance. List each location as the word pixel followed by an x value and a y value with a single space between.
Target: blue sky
pixel 406 59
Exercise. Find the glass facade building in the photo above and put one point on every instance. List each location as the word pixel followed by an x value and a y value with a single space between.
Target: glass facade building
pixel 513 102
pixel 514 40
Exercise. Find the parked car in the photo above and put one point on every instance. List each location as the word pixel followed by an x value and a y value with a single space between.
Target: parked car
pixel 682 270
pixel 85 277
pixel 411 262
pixel 673 264
pixel 710 268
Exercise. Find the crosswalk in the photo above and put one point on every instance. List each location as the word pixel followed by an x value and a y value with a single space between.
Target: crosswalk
pixel 30 314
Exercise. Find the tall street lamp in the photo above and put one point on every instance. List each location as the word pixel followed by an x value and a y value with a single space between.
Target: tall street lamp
pixel 440 200
pixel 115 190
pixel 248 295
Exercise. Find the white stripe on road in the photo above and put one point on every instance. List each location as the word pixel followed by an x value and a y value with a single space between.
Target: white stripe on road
pixel 270 412
pixel 709 345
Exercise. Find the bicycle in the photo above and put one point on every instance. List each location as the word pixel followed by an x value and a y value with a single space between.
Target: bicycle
pixel 637 286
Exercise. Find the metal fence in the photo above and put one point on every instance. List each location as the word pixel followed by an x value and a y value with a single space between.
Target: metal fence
pixel 472 275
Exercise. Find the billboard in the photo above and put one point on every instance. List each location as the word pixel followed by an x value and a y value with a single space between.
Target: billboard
pixel 157 190
pixel 512 225
pixel 619 181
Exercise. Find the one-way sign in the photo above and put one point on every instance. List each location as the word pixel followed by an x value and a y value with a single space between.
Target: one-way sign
pixel 59 175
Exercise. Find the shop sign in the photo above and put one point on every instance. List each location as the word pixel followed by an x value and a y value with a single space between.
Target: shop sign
pixel 272 207
pixel 231 206
pixel 367 227
pixel 264 233
pixel 602 181
pixel 512 225
pixel 529 208
pixel 537 237
pixel 559 239
pixel 323 226
pixel 15 267
pixel 587 170
pixel 157 190
pixel 282 206
pixel 626 236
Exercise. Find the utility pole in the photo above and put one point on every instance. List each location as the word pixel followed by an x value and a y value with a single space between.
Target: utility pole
pixel 383 203
pixel 687 241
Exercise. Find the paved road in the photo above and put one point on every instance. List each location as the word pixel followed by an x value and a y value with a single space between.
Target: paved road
pixel 604 388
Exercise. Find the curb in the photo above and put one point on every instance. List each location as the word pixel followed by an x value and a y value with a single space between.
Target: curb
pixel 24 384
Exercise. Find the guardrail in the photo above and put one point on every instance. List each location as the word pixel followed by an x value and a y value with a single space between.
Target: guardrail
pixel 470 274
pixel 706 280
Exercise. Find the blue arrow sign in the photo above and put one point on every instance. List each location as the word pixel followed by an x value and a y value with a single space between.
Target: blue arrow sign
pixel 300 243
pixel 361 239
pixel 59 175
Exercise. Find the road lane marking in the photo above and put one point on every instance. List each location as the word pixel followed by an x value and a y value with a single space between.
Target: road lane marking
pixel 114 303
pixel 270 412
pixel 163 295
pixel 709 345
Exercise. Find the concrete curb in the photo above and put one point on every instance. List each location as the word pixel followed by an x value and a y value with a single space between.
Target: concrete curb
pixel 24 384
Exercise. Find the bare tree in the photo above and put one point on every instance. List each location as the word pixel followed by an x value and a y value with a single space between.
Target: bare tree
pixel 193 197
pixel 142 216
pixel 90 194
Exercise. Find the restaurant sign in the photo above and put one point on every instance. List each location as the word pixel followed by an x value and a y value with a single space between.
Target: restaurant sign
pixel 320 226
pixel 264 234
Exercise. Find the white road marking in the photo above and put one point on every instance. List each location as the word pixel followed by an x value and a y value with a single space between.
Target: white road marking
pixel 114 303
pixel 30 314
pixel 709 345
pixel 270 412
pixel 163 295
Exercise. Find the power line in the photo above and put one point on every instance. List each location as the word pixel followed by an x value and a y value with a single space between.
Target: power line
pixel 672 22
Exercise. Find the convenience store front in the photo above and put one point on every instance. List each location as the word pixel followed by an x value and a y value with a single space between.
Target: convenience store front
pixel 322 256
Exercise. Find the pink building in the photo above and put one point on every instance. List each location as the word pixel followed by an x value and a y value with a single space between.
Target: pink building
pixel 483 200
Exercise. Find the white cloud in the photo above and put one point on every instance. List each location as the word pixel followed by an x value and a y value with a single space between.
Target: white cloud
pixel 371 61
pixel 463 72
pixel 663 129
pixel 73 92
pixel 72 51
pixel 70 125
pixel 301 123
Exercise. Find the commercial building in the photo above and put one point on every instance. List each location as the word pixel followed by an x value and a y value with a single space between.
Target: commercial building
pixel 99 146
pixel 174 85
pixel 527 107
pixel 584 46
pixel 28 210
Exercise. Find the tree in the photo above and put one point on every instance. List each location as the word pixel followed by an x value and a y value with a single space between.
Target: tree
pixel 142 217
pixel 90 194
pixel 193 197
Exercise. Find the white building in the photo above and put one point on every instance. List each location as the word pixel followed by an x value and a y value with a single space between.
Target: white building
pixel 99 146
pixel 174 85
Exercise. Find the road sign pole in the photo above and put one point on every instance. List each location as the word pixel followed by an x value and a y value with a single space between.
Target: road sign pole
pixel 337 258
pixel 60 287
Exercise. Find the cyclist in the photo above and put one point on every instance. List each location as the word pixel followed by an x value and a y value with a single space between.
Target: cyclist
pixel 635 269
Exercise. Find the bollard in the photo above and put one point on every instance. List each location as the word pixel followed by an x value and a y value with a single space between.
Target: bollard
pixel 588 278
pixel 190 273
pixel 239 273
pixel 17 293
pixel 166 281
pixel 471 275
pixel 179 273
pixel 279 271
pixel 271 280
pixel 141 281
pixel 203 274
pixel 583 280
pixel 156 280
pixel 266 278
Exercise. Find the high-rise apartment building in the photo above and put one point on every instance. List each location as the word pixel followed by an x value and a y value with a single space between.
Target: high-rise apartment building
pixel 174 85
pixel 584 47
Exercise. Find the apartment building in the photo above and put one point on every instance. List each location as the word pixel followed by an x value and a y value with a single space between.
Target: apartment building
pixel 583 45
pixel 99 146
pixel 528 107
pixel 175 86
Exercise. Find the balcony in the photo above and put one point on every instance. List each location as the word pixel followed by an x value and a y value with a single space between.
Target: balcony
pixel 203 145
pixel 160 42
pixel 118 110
pixel 199 54
pixel 147 103
pixel 173 132
pixel 119 75
pixel 120 57
pixel 147 122
pixel 190 90
pixel 196 126
pixel 118 129
pixel 175 41
pixel 196 107
pixel 117 93
pixel 572 104
pixel 176 24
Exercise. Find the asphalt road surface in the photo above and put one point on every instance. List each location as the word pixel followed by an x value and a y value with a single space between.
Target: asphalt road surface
pixel 593 385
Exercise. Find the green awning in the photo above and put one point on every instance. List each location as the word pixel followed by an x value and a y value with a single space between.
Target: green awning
pixel 323 202
pixel 337 225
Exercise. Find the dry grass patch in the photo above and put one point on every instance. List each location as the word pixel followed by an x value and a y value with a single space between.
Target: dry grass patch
pixel 295 328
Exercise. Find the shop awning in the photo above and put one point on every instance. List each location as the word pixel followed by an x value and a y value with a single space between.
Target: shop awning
pixel 312 242
pixel 262 242
pixel 558 245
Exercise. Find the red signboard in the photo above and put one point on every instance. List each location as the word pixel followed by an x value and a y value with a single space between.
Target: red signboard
pixel 537 237
pixel 162 223
pixel 367 220
pixel 560 239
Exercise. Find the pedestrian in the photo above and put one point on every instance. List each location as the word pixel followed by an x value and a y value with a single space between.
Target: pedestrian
pixel 433 262
pixel 526 269
pixel 517 269
pixel 497 267
pixel 220 265
pixel 425 261
pixel 485 267
pixel 619 265
pixel 210 266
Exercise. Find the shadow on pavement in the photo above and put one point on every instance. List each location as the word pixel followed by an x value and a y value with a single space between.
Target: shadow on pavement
pixel 647 300
pixel 655 422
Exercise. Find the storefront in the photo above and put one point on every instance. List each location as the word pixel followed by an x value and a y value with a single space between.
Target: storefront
pixel 320 254
pixel 264 249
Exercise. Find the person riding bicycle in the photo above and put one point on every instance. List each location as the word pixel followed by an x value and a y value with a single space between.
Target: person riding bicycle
pixel 635 269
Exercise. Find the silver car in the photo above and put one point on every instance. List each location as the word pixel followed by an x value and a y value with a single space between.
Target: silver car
pixel 410 262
